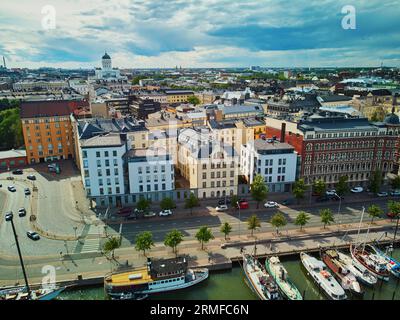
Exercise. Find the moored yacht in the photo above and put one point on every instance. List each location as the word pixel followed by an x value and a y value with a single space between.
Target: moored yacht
pixel 391 264
pixel 319 272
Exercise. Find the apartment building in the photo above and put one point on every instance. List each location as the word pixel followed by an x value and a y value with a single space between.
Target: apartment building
pixel 178 96
pixel 275 161
pixel 47 129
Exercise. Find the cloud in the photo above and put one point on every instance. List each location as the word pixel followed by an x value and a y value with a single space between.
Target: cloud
pixel 161 33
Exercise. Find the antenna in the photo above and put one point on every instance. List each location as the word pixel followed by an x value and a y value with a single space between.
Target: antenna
pixel 4 62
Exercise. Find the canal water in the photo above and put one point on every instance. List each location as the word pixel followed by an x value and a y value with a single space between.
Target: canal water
pixel 230 285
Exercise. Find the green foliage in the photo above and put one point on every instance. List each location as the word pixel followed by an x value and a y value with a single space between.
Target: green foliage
pixel 193 100
pixel 375 181
pixel 378 115
pixel 9 104
pixel 299 188
pixel 10 129
pixel 278 220
pixel 342 186
pixel 234 201
pixel 253 222
pixel 326 216
pixel 173 239
pixel 144 241
pixel 143 204
pixel 374 211
pixel 226 229
pixel 319 187
pixel 204 235
pixel 135 80
pixel 167 204
pixel 191 202
pixel 394 208
pixel 302 219
pixel 395 183
pixel 111 245
pixel 258 189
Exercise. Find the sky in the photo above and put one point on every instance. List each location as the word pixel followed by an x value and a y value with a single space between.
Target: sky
pixel 199 33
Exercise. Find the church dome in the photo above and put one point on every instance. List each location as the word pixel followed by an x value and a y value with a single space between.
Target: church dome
pixel 106 56
pixel 392 118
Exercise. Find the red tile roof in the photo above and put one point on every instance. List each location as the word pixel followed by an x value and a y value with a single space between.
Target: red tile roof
pixel 36 109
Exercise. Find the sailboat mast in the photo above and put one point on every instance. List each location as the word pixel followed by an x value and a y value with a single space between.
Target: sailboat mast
pixel 359 226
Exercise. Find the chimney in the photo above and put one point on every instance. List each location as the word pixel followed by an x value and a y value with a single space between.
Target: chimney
pixel 283 131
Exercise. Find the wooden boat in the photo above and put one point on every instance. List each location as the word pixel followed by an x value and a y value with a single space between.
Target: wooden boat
pixel 319 272
pixel 370 261
pixel 287 288
pixel 260 281
pixel 347 280
pixel 391 264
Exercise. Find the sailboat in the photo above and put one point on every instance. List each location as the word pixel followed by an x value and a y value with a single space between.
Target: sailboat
pixel 391 264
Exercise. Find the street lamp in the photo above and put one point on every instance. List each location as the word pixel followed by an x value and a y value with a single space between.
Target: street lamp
pixel 75 228
pixel 237 203
pixel 9 217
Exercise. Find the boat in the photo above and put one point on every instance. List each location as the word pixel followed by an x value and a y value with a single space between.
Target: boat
pixel 347 280
pixel 319 272
pixel 370 261
pixel 260 281
pixel 391 264
pixel 287 288
pixel 157 276
pixel 21 293
pixel 362 274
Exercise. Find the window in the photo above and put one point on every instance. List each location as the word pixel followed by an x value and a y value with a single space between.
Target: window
pixel 106 153
pixel 97 154
pixel 114 153
pixel 84 154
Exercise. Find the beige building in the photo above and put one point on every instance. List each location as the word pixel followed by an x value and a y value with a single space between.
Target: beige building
pixel 176 96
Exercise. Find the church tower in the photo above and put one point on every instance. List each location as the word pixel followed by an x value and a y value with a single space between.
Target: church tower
pixel 106 62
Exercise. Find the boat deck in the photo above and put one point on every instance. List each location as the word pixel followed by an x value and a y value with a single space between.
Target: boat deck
pixel 134 277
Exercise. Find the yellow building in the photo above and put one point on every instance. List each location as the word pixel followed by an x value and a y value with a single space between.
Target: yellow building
pixel 178 96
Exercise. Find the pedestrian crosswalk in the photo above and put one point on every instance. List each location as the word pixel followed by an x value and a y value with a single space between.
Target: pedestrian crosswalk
pixel 90 245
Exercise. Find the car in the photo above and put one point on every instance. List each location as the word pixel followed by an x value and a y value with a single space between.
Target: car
pixel 27 191
pixel 357 189
pixel 124 211
pixel 165 213
pixel 395 193
pixel 31 177
pixel 243 204
pixel 221 207
pixel 11 188
pixel 287 202
pixel 33 235
pixel 271 204
pixel 330 192
pixel 149 214
pixel 382 194
pixel 322 199
pixel 9 216
pixel 18 171
pixel 224 201
pixel 21 212
pixel 391 215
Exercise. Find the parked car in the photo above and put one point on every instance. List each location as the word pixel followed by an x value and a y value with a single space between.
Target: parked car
pixel 322 199
pixel 391 215
pixel 21 212
pixel 223 201
pixel 331 192
pixel 357 189
pixel 18 171
pixel 33 235
pixel 9 216
pixel 243 204
pixel 149 214
pixel 31 177
pixel 271 204
pixel 395 193
pixel 287 202
pixel 382 194
pixel 222 207
pixel 124 211
pixel 27 191
pixel 11 188
pixel 165 213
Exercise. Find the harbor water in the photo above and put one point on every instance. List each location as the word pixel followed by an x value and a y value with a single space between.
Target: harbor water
pixel 231 285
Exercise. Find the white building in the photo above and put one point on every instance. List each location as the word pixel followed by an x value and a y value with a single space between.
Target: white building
pixel 274 160
pixel 103 168
pixel 107 72
pixel 151 173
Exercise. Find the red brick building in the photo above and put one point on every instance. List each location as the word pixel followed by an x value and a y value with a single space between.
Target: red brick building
pixel 12 159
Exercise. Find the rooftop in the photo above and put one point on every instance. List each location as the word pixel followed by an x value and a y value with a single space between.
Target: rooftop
pixel 108 140
pixel 52 108
pixel 12 153
pixel 261 145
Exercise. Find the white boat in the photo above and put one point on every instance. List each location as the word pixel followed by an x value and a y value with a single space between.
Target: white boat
pixel 362 274
pixel 20 293
pixel 260 281
pixel 322 277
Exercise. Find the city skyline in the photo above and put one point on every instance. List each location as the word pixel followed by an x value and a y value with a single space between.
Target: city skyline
pixel 143 34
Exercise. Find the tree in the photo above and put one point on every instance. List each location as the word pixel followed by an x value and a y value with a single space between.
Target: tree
pixel 278 220
pixel 394 209
pixel 226 229
pixel 111 245
pixel 299 188
pixel 319 187
pixel 302 219
pixel 253 223
pixel 326 217
pixel 167 204
pixel 234 201
pixel 395 183
pixel 375 181
pixel 204 235
pixel 342 186
pixel 173 239
pixel 374 211
pixel 258 189
pixel 193 100
pixel 143 204
pixel 378 114
pixel 10 129
pixel 144 241
pixel 191 202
